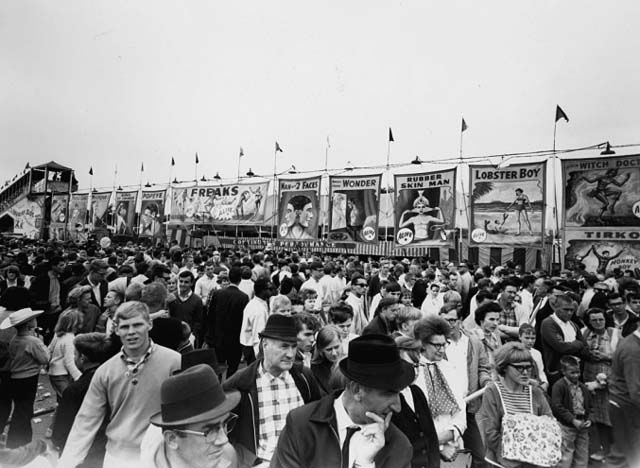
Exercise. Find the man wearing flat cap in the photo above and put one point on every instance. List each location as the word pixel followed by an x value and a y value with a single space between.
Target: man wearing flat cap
pixel 270 387
pixel 353 429
pixel 195 418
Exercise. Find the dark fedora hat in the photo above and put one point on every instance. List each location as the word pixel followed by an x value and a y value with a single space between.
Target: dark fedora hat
pixel 202 356
pixel 194 395
pixel 374 361
pixel 280 327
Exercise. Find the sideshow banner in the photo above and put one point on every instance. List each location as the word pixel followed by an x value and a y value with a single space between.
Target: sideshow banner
pixel 125 213
pixel 354 208
pixel 151 213
pixel 27 217
pixel 58 217
pixel 232 204
pixel 603 251
pixel 425 208
pixel 78 210
pixel 507 205
pixel 101 214
pixel 298 209
pixel 603 192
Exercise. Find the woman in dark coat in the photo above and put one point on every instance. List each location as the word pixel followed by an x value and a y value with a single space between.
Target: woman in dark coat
pixel 326 357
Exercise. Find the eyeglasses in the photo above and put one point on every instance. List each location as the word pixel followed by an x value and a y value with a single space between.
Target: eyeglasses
pixel 214 430
pixel 522 368
pixel 438 345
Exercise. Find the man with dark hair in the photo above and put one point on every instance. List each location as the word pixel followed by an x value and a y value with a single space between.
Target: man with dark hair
pixel 513 314
pixel 45 292
pixel 224 321
pixel 307 326
pixel 188 306
pixel 620 316
pixel 97 281
pixel 356 299
pixel 254 318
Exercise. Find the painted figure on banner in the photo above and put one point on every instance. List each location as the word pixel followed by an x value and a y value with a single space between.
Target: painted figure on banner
pixel 149 224
pixel 101 213
pixel 602 257
pixel 354 208
pixel 602 192
pixel 507 205
pixel 298 209
pixel 424 208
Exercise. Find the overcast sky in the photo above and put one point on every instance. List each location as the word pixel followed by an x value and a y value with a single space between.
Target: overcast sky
pixel 121 82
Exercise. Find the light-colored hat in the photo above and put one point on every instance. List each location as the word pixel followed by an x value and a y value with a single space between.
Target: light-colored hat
pixel 19 317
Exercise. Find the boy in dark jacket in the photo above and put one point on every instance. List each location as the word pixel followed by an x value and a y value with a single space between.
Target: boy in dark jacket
pixel 571 404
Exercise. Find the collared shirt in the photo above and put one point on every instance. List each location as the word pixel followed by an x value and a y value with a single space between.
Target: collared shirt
pixel 568 331
pixel 457 357
pixel 254 319
pixel 135 367
pixel 185 298
pixel 620 325
pixel 360 319
pixel 277 396
pixel 432 305
pixel 204 286
pixel 344 421
pixel 96 290
pixel 577 399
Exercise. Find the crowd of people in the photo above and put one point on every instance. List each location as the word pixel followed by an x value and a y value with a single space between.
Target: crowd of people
pixel 165 356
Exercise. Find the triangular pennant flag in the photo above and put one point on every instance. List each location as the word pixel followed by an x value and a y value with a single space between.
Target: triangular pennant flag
pixel 391 135
pixel 241 152
pixel 141 167
pixel 27 166
pixel 560 114
pixel 278 147
pixel 197 160
pixel 464 125
pixel 91 170
pixel 173 161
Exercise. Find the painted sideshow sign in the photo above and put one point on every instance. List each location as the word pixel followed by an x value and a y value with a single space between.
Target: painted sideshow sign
pixel 101 214
pixel 151 213
pixel 219 204
pixel 354 209
pixel 78 216
pixel 507 205
pixel 602 192
pixel 57 226
pixel 125 212
pixel 27 217
pixel 603 251
pixel 298 209
pixel 424 208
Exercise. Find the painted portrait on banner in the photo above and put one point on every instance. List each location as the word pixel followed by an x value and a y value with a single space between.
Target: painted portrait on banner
pixel 125 213
pixel 78 209
pixel 354 208
pixel 151 213
pixel 298 209
pixel 101 212
pixel 603 251
pixel 507 205
pixel 602 192
pixel 231 204
pixel 27 217
pixel 424 208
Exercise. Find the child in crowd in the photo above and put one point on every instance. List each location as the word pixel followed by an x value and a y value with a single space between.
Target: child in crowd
pixel 571 404
pixel 309 299
pixel 527 335
pixel 341 315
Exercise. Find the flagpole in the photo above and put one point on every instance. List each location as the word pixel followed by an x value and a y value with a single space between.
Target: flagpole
pixel 463 127
pixel 115 176
pixel 275 192
pixel 556 225
pixel 196 168
pixel 326 173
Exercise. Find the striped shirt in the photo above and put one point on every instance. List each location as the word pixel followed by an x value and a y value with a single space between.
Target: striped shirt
pixel 515 402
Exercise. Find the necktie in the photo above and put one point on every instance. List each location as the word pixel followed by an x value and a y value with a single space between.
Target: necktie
pixel 345 447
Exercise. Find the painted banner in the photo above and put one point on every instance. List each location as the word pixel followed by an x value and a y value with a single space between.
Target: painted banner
pixel 507 205
pixel 219 204
pixel 78 210
pixel 424 208
pixel 27 217
pixel 58 223
pixel 101 213
pixel 298 209
pixel 603 251
pixel 151 213
pixel 354 208
pixel 125 213
pixel 603 192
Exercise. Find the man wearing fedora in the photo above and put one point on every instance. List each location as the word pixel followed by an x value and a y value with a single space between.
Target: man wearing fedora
pixel 195 418
pixel 353 428
pixel 126 388
pixel 269 387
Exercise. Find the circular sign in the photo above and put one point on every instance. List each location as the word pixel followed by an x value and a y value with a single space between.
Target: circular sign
pixel 404 236
pixel 636 209
pixel 284 230
pixel 105 242
pixel 479 235
pixel 369 233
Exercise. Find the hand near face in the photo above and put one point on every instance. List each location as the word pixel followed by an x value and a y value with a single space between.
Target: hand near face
pixel 372 438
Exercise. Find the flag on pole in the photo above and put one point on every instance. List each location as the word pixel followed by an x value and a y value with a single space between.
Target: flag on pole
pixel 391 135
pixel 241 152
pixel 197 160
pixel 278 147
pixel 91 170
pixel 173 161
pixel 560 114
pixel 464 125
pixel 141 167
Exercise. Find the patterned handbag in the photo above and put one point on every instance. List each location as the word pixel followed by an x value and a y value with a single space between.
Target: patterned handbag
pixel 529 438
